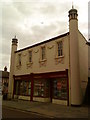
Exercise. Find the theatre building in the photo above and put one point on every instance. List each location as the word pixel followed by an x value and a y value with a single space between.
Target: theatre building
pixel 55 70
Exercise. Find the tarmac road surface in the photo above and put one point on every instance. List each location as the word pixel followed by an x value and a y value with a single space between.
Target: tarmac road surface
pixel 14 113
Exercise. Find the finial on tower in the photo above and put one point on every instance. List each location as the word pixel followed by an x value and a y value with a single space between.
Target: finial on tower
pixel 72 13
pixel 72 6
pixel 14 40
pixel 15 36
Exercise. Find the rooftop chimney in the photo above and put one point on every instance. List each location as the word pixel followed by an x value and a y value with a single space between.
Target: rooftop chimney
pixel 5 68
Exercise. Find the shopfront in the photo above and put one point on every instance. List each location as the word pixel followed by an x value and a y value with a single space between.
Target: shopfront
pixel 44 87
pixel 22 87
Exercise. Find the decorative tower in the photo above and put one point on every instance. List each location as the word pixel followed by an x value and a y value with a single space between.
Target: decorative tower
pixel 76 93
pixel 11 79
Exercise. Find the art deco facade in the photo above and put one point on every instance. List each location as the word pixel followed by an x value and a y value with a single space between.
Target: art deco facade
pixel 55 70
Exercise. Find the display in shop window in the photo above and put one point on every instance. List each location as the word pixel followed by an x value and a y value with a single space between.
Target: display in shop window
pixel 23 88
pixel 38 89
pixel 60 88
pixel 29 88
pixel 41 88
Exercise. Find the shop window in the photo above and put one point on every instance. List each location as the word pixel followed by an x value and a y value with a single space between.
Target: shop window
pixel 23 88
pixel 17 88
pixel 41 88
pixel 29 88
pixel 60 88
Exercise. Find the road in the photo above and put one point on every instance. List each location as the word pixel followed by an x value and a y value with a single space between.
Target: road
pixel 14 113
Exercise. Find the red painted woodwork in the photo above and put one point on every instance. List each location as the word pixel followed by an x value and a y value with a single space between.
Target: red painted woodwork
pixel 49 76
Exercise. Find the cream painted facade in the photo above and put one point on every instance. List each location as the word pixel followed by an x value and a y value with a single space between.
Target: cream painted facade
pixel 51 63
pixel 83 62
pixel 74 58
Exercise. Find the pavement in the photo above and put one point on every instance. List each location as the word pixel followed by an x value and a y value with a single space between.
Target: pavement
pixel 50 110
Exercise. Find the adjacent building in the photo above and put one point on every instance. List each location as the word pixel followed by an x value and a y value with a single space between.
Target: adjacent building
pixel 4 80
pixel 55 70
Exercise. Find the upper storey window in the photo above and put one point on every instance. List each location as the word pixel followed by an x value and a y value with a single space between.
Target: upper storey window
pixel 60 48
pixel 43 50
pixel 30 56
pixel 19 59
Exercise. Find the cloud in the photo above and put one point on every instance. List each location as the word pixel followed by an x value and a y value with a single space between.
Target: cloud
pixel 25 9
pixel 54 8
pixel 35 21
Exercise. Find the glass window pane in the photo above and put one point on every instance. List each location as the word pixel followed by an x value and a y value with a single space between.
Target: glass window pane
pixel 41 88
pixel 30 56
pixel 43 53
pixel 29 88
pixel 23 88
pixel 60 52
pixel 60 88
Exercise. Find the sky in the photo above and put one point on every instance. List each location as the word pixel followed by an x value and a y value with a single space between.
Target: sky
pixel 33 21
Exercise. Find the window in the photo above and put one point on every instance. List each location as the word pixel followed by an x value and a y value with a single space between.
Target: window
pixel 60 48
pixel 43 52
pixel 60 88
pixel 19 59
pixel 41 88
pixel 30 56
pixel 23 88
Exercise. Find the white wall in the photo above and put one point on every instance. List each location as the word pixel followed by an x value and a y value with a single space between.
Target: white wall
pixel 83 61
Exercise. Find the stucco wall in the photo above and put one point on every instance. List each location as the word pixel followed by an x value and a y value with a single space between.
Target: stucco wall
pixel 51 64
pixel 83 61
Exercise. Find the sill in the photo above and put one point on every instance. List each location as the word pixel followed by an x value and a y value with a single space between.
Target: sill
pixel 29 64
pixel 44 60
pixel 18 66
pixel 58 57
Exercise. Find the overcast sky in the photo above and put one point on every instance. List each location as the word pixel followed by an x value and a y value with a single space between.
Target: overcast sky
pixel 34 21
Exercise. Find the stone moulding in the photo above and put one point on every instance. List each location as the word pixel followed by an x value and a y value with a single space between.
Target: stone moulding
pixel 36 51
pixel 29 64
pixel 42 62
pixel 59 59
pixel 50 47
pixel 18 66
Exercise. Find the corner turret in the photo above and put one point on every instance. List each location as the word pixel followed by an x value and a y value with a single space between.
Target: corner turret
pixel 73 14
pixel 76 92
pixel 12 62
pixel 14 41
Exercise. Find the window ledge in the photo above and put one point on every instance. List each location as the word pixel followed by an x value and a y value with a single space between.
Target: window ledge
pixel 29 64
pixel 44 60
pixel 58 57
pixel 18 66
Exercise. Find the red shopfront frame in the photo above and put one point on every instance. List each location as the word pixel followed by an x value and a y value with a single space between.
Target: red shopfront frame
pixel 47 75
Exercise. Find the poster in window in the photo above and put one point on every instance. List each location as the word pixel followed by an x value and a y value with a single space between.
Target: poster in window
pixel 59 85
